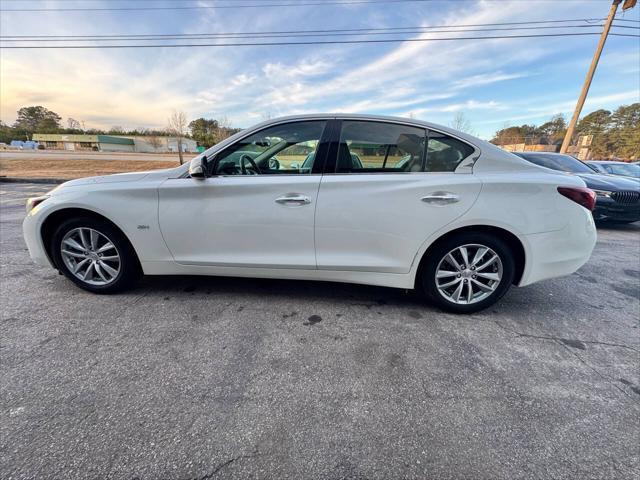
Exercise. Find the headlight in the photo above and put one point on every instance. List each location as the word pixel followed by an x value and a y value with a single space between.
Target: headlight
pixel 33 202
pixel 603 193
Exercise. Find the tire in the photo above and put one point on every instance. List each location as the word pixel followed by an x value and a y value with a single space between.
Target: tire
pixel 500 271
pixel 106 274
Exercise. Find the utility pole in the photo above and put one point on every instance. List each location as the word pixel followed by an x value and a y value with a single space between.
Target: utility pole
pixel 587 82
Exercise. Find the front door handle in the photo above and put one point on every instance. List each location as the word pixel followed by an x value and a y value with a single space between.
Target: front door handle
pixel 293 199
pixel 441 198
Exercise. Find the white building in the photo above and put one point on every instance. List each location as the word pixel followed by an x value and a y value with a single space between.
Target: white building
pixel 157 144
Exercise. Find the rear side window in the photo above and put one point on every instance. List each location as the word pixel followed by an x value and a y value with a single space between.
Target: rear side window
pixel 444 153
pixel 369 147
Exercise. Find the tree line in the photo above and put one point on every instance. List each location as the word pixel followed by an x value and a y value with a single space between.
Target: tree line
pixel 39 119
pixel 615 134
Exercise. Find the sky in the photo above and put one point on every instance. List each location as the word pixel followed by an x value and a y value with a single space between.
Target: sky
pixel 494 83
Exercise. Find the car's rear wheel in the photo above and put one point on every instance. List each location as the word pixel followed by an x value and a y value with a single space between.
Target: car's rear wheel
pixel 95 255
pixel 468 272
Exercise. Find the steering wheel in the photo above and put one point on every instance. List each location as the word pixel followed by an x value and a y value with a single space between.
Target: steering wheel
pixel 274 164
pixel 254 168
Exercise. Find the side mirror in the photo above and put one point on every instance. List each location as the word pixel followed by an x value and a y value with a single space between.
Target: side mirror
pixel 198 167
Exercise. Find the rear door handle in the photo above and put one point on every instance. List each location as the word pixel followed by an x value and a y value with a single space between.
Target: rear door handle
pixel 293 199
pixel 441 198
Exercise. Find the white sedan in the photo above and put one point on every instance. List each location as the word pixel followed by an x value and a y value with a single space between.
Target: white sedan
pixel 344 198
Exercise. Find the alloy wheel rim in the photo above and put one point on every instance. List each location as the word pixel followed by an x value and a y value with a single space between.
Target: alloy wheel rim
pixel 90 256
pixel 468 274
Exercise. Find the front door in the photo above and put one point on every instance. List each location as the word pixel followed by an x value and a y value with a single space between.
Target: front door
pixel 257 207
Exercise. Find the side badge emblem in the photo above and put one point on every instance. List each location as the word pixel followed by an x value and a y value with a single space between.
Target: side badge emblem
pixel 143 227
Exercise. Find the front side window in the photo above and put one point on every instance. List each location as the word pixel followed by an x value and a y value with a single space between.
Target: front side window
pixel 289 148
pixel 444 153
pixel 370 147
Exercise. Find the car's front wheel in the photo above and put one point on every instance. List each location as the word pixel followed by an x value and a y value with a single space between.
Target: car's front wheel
pixel 468 272
pixel 95 255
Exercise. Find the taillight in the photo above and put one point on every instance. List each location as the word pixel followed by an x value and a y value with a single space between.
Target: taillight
pixel 581 195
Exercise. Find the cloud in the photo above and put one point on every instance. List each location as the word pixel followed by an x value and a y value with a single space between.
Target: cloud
pixel 389 104
pixel 488 78
pixel 243 79
pixel 416 66
pixel 140 87
pixel 566 107
pixel 304 68
pixel 472 105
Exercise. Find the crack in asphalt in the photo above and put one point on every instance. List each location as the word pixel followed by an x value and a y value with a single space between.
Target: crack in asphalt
pixel 566 344
pixel 601 375
pixel 565 341
pixel 225 464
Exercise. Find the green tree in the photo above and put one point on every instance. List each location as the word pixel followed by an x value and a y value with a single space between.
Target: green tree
pixel 626 116
pixel 624 135
pixel 204 131
pixel 615 134
pixel 512 135
pixel 595 123
pixel 6 133
pixel 30 119
pixel 554 129
pixel 48 125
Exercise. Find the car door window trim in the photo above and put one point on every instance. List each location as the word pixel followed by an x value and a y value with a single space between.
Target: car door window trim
pixel 318 163
pixel 465 166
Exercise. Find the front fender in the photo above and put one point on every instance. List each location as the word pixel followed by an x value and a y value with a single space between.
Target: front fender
pixel 133 210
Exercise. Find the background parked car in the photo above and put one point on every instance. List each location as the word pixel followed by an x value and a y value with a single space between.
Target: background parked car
pixel 617 198
pixel 612 167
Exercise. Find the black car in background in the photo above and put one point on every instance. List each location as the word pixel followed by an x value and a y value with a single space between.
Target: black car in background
pixel 617 198
pixel 623 169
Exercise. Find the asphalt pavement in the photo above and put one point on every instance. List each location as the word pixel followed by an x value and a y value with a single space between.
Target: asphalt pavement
pixel 205 378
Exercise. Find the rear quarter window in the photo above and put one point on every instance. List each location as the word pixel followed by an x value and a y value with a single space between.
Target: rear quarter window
pixel 444 153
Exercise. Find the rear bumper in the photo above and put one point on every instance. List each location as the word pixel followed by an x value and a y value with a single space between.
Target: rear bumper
pixel 559 253
pixel 608 209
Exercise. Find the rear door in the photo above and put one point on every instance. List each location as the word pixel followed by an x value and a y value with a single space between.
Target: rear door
pixel 391 186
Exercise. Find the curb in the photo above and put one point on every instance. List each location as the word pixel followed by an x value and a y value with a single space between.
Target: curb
pixel 32 180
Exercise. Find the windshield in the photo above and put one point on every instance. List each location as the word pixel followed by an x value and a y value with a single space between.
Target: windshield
pixel 563 163
pixel 628 169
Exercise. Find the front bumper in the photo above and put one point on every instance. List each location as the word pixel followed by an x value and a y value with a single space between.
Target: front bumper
pixel 609 209
pixel 31 231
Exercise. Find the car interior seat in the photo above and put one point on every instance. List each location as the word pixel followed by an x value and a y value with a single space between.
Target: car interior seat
pixel 345 162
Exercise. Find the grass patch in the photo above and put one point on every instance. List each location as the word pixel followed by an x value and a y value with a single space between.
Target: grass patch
pixel 70 169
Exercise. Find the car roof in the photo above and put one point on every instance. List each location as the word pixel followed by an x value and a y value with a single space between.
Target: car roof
pixel 362 116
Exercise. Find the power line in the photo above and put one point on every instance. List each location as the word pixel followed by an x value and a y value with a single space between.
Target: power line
pixel 146 38
pixel 364 30
pixel 208 7
pixel 329 42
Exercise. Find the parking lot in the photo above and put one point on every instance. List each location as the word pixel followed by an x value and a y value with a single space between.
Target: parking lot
pixel 203 378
